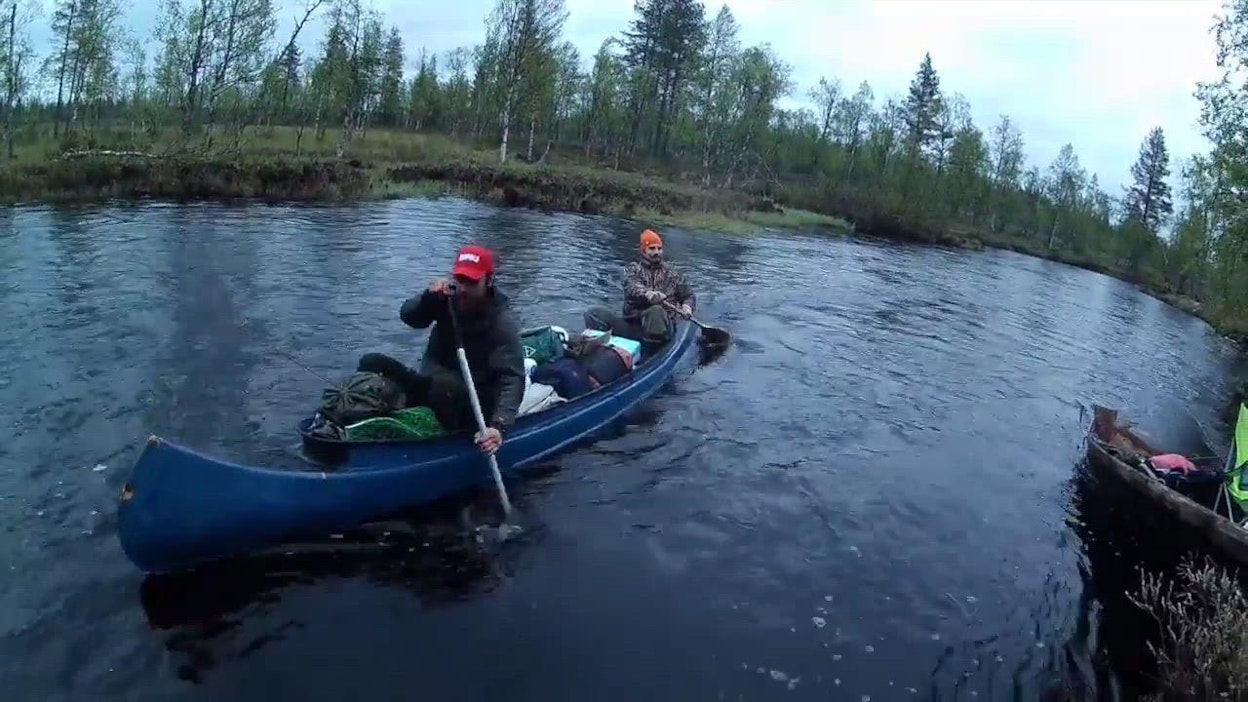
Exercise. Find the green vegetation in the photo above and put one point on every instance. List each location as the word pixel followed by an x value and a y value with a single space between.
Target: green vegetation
pixel 671 120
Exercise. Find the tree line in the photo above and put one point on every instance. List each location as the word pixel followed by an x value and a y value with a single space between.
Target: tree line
pixel 675 91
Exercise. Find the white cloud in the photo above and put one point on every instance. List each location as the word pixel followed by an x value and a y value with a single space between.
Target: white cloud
pixel 1096 73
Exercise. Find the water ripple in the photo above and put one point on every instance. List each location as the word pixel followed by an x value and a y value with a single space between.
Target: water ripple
pixel 868 495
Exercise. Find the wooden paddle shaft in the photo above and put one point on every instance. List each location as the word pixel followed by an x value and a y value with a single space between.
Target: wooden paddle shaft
pixel 696 323
pixel 476 412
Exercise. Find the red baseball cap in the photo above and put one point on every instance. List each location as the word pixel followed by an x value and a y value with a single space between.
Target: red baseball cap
pixel 473 262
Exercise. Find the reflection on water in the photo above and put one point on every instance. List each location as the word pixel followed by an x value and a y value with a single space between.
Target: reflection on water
pixel 207 610
pixel 875 492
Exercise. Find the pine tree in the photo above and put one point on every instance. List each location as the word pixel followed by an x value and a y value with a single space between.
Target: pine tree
pixel 390 108
pixel 924 105
pixel 1147 201
pixel 662 46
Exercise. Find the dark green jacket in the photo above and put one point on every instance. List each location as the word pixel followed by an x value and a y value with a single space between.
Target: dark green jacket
pixel 491 343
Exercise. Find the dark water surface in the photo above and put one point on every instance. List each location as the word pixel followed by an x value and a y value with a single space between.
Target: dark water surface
pixel 872 494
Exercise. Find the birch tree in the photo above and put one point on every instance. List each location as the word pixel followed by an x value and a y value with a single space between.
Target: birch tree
pixel 17 55
pixel 521 35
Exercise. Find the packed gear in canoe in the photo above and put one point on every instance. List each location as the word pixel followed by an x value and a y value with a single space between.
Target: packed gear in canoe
pixel 558 367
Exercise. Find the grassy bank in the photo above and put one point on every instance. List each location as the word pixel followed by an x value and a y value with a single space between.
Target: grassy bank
pixel 280 163
pixel 285 163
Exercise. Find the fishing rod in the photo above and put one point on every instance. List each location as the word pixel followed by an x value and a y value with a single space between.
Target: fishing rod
pixel 290 357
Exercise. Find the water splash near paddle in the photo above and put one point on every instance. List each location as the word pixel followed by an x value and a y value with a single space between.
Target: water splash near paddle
pixel 713 341
pixel 493 537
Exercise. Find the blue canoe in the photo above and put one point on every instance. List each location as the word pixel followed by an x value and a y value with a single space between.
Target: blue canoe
pixel 181 507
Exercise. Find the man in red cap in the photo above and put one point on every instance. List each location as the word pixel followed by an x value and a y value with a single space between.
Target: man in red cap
pixel 491 339
pixel 654 294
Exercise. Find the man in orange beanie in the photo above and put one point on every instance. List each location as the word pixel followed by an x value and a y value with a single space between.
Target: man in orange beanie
pixel 654 294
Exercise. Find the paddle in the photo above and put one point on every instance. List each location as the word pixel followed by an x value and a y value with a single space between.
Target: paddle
pixel 711 336
pixel 466 372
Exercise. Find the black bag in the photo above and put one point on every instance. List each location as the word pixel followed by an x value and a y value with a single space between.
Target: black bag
pixel 566 375
pixel 363 395
pixel 606 363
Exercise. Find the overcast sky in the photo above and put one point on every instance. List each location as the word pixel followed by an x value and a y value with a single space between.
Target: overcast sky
pixel 1098 74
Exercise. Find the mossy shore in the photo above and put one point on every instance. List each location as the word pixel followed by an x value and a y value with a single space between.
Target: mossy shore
pixel 281 164
pixel 278 165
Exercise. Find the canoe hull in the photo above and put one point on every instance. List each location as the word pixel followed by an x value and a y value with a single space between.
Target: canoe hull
pixel 181 507
pixel 1106 434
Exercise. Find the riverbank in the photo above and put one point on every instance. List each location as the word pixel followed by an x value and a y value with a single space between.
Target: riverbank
pixel 288 164
pixel 281 164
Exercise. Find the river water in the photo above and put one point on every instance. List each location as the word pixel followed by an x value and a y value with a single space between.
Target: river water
pixel 873 493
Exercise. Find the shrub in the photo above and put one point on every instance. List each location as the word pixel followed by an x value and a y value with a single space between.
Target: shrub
pixel 1202 615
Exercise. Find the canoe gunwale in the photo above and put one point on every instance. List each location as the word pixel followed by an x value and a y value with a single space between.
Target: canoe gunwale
pixel 1224 535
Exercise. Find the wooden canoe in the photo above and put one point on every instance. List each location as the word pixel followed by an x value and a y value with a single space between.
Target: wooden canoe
pixel 1114 452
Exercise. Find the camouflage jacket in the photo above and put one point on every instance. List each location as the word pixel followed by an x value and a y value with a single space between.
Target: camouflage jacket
pixel 641 277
